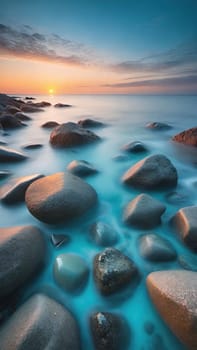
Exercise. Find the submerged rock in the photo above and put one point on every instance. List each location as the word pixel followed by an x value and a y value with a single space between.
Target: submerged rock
pixel 8 154
pixel 59 197
pixel 103 234
pixel 120 158
pixel 50 125
pixel 144 212
pixel 113 271
pixel 59 239
pixel 33 146
pixel 70 271
pixel 10 122
pixel 152 172
pixel 29 108
pixel 187 137
pixel 4 174
pixel 90 123
pixel 62 105
pixel 134 147
pixel 174 293
pixel 22 117
pixel 158 126
pixel 71 134
pixel 81 168
pixel 109 331
pixel 156 249
pixel 40 323
pixel 22 254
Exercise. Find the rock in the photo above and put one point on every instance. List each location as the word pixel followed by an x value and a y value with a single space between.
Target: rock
pixel 28 108
pixel 109 331
pixel 8 154
pixel 90 123
pixel 152 172
pixel 187 137
pixel 10 122
pixel 4 174
pixel 22 117
pixel 156 249
pixel 81 168
pixel 3 143
pixel 22 254
pixel 103 234
pixel 174 293
pixel 144 212
pixel 185 222
pixel 70 134
pixel 29 98
pixel 177 198
pixel 7 100
pixel 134 147
pixel 32 146
pixel 14 191
pixel 149 327
pixel 12 109
pixel 120 158
pixel 59 239
pixel 50 125
pixel 158 126
pixel 42 104
pixel 59 197
pixel 70 271
pixel 62 105
pixel 113 271
pixel 40 323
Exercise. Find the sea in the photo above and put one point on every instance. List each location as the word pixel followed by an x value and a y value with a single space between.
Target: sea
pixel 125 118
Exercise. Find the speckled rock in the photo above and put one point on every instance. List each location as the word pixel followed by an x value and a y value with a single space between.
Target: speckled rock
pixel 103 234
pixel 174 293
pixel 144 212
pixel 187 137
pixel 156 249
pixel 32 146
pixel 81 168
pixel 40 323
pixel 11 155
pixel 22 117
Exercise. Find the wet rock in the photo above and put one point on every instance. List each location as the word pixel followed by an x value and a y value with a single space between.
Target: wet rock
pixel 29 98
pixel 4 174
pixel 42 104
pixel 8 154
pixel 187 137
pixel 28 108
pixel 81 168
pixel 6 100
pixel 50 125
pixel 22 117
pixel 90 123
pixel 32 146
pixel 153 172
pixel 109 331
pixel 113 271
pixel 120 158
pixel 40 323
pixel 70 271
pixel 62 105
pixel 144 212
pixel 59 197
pixel 177 198
pixel 10 122
pixel 12 109
pixel 149 327
pixel 22 254
pixel 174 294
pixel 103 235
pixel 3 143
pixel 71 134
pixel 156 249
pixel 185 222
pixel 14 191
pixel 158 126
pixel 59 239
pixel 134 147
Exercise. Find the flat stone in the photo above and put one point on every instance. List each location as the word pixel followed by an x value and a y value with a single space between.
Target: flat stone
pixel 156 249
pixel 32 146
pixel 8 154
pixel 174 294
pixel 187 137
pixel 103 235
pixel 28 108
pixel 10 122
pixel 81 168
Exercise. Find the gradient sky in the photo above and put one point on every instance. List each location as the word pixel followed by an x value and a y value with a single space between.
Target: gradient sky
pixel 98 46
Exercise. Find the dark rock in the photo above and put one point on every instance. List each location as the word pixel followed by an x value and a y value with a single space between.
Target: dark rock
pixel 28 108
pixel 103 234
pixel 113 271
pixel 144 212
pixel 156 249
pixel 8 154
pixel 33 146
pixel 10 122
pixel 50 125
pixel 174 293
pixel 81 168
pixel 40 323
pixel 4 174
pixel 42 104
pixel 22 253
pixel 12 109
pixel 22 117
pixel 59 239
pixel 90 123
pixel 59 197
pixel 153 172
pixel 149 327
pixel 109 331
pixel 71 134
pixel 177 198
pixel 62 105
pixel 187 137
pixel 14 191
pixel 158 126
pixel 29 98
pixel 134 147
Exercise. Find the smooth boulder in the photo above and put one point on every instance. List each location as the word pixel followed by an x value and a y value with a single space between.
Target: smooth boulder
pixel 22 117
pixel 81 168
pixel 156 249
pixel 8 154
pixel 22 254
pixel 103 234
pixel 41 323
pixel 187 137
pixel 50 125
pixel 143 212
pixel 158 126
pixel 134 147
pixel 153 172
pixel 59 197
pixel 10 122
pixel 90 123
pixel 174 294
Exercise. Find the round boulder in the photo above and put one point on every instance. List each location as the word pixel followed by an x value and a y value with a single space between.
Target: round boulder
pixel 81 168
pixel 103 235
pixel 134 147
pixel 156 249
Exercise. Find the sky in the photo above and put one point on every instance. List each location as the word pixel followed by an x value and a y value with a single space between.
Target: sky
pixel 98 46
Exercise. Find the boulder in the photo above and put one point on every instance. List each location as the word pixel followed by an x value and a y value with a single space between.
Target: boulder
pixel 70 271
pixel 103 235
pixel 90 123
pixel 109 331
pixel 156 249
pixel 22 117
pixel 28 108
pixel 50 125
pixel 174 294
pixel 113 271
pixel 8 154
pixel 120 158
pixel 41 104
pixel 10 122
pixel 59 239
pixel 81 168
pixel 71 134
pixel 185 222
pixel 134 147
pixel 177 198
pixel 12 109
pixel 187 137
pixel 143 212
pixel 22 254
pixel 40 323
pixel 158 126
pixel 6 100
pixel 14 191
pixel 59 197
pixel 153 172
pixel 62 105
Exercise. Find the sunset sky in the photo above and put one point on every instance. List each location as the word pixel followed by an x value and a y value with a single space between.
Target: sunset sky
pixel 98 46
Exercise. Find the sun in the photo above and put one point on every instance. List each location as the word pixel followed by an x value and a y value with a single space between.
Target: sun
pixel 51 91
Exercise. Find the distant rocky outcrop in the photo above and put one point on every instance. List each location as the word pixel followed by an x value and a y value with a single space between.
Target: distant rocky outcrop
pixel 134 147
pixel 158 126
pixel 62 105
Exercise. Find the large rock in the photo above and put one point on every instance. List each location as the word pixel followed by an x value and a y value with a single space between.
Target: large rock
pixel 81 168
pixel 187 137
pixel 109 331
pixel 144 212
pixel 113 271
pixel 10 122
pixel 22 253
pixel 71 134
pixel 103 234
pixel 14 191
pixel 8 154
pixel 59 197
pixel 185 222
pixel 152 172
pixel 40 323
pixel 22 117
pixel 156 249
pixel 174 293
pixel 12 109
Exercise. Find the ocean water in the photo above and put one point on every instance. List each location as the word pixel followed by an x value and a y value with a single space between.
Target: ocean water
pixel 125 117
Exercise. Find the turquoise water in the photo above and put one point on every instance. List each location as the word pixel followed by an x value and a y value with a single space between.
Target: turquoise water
pixel 126 117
